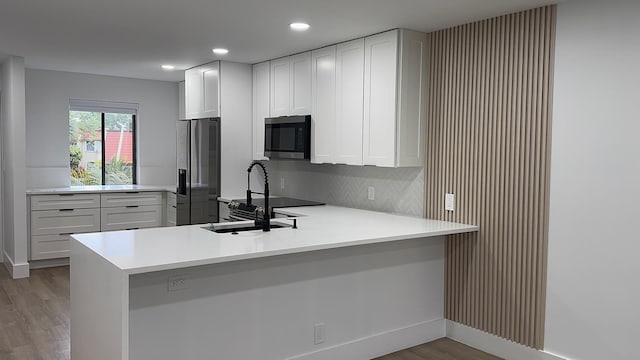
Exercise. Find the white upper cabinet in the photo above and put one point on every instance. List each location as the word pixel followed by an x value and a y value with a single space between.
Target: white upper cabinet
pixel 202 91
pixel 193 91
pixel 291 85
pixel 211 96
pixel 395 98
pixel 280 87
pixel 261 87
pixel 349 102
pixel 366 97
pixel 323 105
pixel 300 89
pixel 381 56
pixel 181 113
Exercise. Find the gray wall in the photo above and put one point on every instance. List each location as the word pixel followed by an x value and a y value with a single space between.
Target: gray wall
pixel 592 286
pixel 47 112
pixel 396 190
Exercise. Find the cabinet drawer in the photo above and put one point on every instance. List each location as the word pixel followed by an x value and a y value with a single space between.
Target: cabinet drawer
pixel 65 201
pixel 171 215
pixel 65 221
pixel 127 218
pixel 131 199
pixel 171 199
pixel 49 246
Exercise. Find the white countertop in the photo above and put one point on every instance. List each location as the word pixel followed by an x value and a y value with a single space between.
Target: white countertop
pixel 100 189
pixel 323 227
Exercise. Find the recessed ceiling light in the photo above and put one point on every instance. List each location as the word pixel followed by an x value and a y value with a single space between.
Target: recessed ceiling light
pixel 168 67
pixel 220 51
pixel 299 26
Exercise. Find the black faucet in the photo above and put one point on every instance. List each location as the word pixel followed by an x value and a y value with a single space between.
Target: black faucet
pixel 265 223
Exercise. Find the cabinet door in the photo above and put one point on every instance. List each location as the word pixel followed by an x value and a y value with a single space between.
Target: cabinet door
pixel 300 89
pixel 181 111
pixel 261 82
pixel 193 88
pixel 349 102
pixel 323 105
pixel 280 87
pixel 211 90
pixel 412 95
pixel 381 55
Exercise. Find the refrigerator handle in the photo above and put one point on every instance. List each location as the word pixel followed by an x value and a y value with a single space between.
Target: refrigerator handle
pixel 182 181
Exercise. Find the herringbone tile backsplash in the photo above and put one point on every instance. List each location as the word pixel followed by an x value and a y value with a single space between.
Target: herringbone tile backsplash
pixel 398 190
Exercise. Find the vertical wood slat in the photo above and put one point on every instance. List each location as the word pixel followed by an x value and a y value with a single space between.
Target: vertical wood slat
pixel 490 92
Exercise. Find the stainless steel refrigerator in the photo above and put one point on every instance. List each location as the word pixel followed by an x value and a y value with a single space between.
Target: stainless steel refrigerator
pixel 198 149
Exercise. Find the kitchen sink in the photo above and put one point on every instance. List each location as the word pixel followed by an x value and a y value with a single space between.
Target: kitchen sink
pixel 240 226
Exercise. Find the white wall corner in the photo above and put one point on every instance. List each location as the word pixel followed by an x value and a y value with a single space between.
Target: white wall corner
pixel 17 271
pixel 495 345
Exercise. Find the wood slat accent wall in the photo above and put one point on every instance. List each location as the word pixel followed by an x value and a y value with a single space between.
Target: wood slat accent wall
pixel 490 96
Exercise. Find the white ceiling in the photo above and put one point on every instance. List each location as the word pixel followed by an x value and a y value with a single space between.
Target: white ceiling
pixel 132 38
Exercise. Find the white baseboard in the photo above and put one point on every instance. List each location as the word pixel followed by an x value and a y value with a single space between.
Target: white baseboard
pixel 17 271
pixel 380 344
pixel 495 345
pixel 41 264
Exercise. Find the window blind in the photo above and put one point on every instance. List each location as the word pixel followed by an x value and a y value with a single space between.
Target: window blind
pixel 103 106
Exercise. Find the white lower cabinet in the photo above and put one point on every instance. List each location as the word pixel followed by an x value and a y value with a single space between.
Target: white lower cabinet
pixel 49 246
pixel 54 217
pixel 130 210
pixel 171 210
pixel 131 217
pixel 65 221
pixel 134 198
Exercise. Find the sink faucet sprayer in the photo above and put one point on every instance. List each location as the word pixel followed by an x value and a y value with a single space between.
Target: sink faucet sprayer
pixel 265 223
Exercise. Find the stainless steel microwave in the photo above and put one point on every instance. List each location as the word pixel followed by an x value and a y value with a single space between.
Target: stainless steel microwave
pixel 288 137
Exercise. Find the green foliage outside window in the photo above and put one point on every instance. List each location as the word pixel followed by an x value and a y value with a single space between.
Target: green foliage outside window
pixel 85 128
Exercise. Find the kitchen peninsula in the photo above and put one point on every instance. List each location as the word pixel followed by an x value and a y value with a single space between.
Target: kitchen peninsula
pixel 346 283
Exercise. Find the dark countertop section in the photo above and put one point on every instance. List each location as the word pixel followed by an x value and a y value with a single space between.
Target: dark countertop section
pixel 281 202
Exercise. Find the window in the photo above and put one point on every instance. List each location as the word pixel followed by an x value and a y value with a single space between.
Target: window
pixel 101 144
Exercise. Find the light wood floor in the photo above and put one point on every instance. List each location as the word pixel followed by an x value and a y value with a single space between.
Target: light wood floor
pixel 34 322
pixel 34 315
pixel 442 349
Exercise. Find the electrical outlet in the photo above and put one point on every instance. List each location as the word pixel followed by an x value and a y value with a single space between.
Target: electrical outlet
pixel 371 193
pixel 177 282
pixel 450 202
pixel 318 333
pixel 281 183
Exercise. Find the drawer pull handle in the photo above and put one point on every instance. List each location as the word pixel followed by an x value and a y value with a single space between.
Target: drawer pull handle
pixel 173 206
pixel 66 234
pixel 66 209
pixel 133 229
pixel 131 206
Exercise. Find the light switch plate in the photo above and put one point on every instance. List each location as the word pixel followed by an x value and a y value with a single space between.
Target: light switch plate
pixel 450 202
